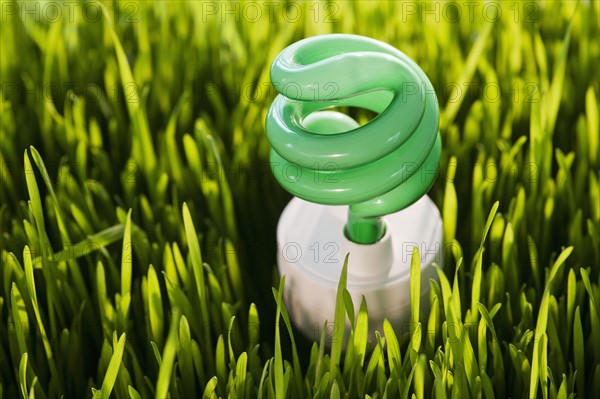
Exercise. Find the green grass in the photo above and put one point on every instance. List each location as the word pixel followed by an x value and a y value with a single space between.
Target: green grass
pixel 138 210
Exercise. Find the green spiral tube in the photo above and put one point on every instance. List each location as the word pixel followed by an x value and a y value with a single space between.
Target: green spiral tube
pixel 325 157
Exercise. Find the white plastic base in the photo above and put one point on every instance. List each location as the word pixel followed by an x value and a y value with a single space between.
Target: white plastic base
pixel 311 251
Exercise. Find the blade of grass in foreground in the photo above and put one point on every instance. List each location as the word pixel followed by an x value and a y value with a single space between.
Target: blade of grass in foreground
pixel 133 393
pixel 34 302
pixel 477 271
pixel 198 271
pixel 124 300
pixel 168 357
pixel 155 308
pixel 209 390
pixel 20 319
pixel 339 324
pixel 361 332
pixel 319 363
pixel 542 322
pixel 280 388
pixel 36 203
pixel 415 286
pixel 579 355
pixel 111 373
pixel 126 260
pixel 393 349
pixel 74 268
pixel 450 205
pixel 23 375
pixel 295 359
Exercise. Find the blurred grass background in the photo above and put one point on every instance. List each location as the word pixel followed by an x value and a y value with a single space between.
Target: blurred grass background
pixel 138 210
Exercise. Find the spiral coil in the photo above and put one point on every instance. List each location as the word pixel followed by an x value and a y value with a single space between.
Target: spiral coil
pixel 325 157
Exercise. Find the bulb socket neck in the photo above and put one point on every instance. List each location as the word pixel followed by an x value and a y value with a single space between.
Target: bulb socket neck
pixel 364 230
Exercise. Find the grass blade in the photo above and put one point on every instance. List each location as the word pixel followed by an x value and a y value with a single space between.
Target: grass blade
pixel 113 369
pixel 339 323
pixel 168 357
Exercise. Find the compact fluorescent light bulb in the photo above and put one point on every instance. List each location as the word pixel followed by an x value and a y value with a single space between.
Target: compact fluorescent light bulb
pixel 358 189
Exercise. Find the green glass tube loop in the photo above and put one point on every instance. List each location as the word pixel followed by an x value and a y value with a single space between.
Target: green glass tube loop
pixel 325 157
